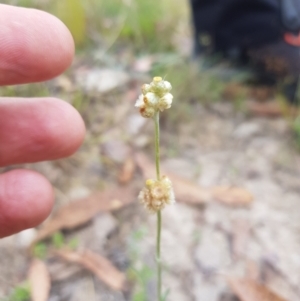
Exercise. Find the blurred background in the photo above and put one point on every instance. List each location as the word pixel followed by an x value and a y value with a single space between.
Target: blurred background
pixel 230 147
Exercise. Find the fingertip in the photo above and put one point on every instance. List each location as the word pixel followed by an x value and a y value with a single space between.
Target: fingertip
pixel 34 45
pixel 64 129
pixel 38 129
pixel 26 199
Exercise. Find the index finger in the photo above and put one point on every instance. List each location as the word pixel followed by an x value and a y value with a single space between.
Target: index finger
pixel 34 45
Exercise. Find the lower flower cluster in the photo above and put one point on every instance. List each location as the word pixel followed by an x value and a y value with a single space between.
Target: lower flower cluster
pixel 156 194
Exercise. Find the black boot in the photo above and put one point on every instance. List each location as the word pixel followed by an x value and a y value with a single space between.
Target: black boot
pixel 260 32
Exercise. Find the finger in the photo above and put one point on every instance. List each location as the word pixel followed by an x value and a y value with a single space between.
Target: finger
pixel 34 45
pixel 38 129
pixel 26 199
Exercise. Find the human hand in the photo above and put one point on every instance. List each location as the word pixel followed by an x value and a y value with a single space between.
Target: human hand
pixel 34 46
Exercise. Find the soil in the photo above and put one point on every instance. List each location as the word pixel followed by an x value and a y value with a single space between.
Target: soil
pixel 202 245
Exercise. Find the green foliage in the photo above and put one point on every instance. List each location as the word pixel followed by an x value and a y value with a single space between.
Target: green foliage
pixel 34 90
pixel 150 24
pixel 25 3
pixel 19 293
pixel 139 273
pixel 40 250
pixel 58 240
pixel 72 13
pixel 166 294
pixel 188 80
pixel 79 102
pixel 73 243
pixel 143 19
pixel 145 24
pixel 296 130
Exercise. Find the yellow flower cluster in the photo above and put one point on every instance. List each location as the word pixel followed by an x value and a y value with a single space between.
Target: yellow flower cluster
pixel 156 97
pixel 156 194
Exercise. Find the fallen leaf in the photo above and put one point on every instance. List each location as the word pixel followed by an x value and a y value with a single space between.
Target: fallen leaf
pixel 234 91
pixel 64 83
pixel 189 192
pixel 249 290
pixel 147 168
pixel 61 271
pixel 39 281
pixel 184 190
pixel 262 93
pixel 98 265
pixel 252 269
pixel 269 109
pixel 127 171
pixel 231 195
pixel 80 212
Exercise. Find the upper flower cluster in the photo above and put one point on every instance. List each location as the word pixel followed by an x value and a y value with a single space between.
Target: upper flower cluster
pixel 156 97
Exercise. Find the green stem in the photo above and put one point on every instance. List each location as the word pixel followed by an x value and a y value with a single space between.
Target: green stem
pixel 158 238
pixel 158 259
pixel 157 151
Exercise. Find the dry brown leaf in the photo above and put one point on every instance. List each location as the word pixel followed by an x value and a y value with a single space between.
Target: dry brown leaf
pixel 184 190
pixel 188 192
pixel 127 171
pixel 61 270
pixel 98 265
pixel 80 212
pixel 262 93
pixel 231 195
pixel 249 290
pixel 234 91
pixel 269 109
pixel 147 168
pixel 39 281
pixel 252 270
pixel 63 82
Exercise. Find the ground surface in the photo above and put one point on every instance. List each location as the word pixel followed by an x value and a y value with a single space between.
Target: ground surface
pixel 203 245
pixel 209 143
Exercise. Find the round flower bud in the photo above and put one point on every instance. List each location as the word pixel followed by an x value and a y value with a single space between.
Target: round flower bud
pixel 151 99
pixel 160 87
pixel 147 112
pixel 163 87
pixel 140 102
pixel 146 88
pixel 157 79
pixel 167 86
pixel 165 102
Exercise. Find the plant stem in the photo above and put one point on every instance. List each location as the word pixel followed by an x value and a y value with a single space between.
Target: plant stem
pixel 158 259
pixel 158 238
pixel 157 151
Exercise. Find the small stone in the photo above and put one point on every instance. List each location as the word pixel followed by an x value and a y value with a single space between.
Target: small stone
pixel 102 80
pixel 212 253
pixel 135 123
pixel 246 130
pixel 25 238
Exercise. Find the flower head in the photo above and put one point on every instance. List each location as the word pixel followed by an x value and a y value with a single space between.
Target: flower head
pixel 156 194
pixel 155 97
